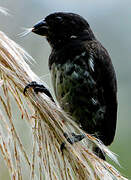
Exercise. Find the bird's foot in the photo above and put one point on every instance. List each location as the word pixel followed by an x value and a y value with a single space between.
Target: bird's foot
pixel 38 88
pixel 75 138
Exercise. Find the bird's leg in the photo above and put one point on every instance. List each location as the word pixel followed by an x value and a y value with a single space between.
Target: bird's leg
pixel 75 138
pixel 78 137
pixel 38 88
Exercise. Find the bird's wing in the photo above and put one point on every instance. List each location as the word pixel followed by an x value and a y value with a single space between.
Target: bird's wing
pixel 104 75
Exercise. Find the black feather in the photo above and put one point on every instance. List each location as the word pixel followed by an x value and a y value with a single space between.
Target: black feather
pixel 83 76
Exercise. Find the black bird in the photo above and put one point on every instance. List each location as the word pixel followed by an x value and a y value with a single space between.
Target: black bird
pixel 83 76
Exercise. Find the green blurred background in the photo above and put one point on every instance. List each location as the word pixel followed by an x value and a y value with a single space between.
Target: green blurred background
pixel 111 23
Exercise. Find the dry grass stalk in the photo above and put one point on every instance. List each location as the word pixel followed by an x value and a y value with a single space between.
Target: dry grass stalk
pixel 47 123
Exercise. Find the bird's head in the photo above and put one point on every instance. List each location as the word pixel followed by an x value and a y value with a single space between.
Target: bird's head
pixel 60 28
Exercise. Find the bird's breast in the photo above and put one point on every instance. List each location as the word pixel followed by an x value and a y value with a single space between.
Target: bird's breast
pixel 75 90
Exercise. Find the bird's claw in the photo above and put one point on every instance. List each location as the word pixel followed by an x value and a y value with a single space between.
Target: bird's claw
pixel 32 84
pixel 75 138
pixel 38 88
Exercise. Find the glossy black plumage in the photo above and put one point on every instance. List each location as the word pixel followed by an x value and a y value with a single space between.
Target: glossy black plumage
pixel 82 73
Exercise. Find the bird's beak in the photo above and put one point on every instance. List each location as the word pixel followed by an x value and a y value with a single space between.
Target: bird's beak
pixel 41 28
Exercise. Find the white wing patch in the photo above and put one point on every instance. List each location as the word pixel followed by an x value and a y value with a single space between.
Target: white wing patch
pixel 91 63
pixel 94 101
